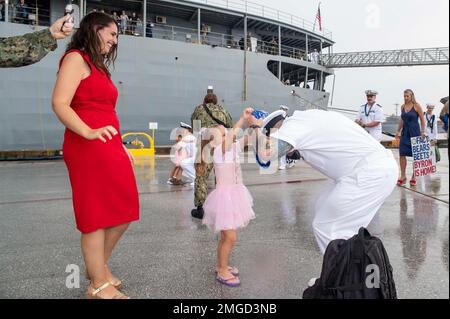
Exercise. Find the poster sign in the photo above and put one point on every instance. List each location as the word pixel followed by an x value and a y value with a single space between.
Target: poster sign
pixel 424 156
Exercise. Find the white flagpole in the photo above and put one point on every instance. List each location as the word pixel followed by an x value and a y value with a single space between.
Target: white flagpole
pixel 315 20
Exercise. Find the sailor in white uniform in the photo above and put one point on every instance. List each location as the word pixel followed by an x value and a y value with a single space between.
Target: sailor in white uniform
pixel 189 143
pixel 431 122
pixel 371 116
pixel 362 171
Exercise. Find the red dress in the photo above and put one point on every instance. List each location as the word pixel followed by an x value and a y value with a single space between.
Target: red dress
pixel 103 183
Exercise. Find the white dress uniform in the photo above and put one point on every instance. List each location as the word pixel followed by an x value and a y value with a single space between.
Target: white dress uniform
pixel 364 173
pixel 189 143
pixel 369 114
pixel 432 126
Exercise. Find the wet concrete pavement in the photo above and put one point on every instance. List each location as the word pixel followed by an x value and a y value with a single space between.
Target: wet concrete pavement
pixel 167 254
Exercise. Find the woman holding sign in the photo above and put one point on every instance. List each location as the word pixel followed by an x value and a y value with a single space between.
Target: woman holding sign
pixel 408 128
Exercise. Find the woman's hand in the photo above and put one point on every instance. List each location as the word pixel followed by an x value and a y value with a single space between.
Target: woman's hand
pixel 101 133
pixel 130 156
pixel 397 136
pixel 424 136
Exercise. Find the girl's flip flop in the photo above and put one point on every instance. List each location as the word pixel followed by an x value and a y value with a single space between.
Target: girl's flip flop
pixel 227 282
pixel 233 270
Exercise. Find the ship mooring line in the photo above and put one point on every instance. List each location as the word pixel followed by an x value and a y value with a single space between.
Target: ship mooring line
pixel 426 195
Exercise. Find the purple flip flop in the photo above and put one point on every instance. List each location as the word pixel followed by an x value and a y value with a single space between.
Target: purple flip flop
pixel 226 282
pixel 233 270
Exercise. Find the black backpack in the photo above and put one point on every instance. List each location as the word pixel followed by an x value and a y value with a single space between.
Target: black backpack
pixel 350 269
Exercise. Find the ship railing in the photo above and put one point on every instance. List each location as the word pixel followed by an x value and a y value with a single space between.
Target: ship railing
pixel 41 17
pixel 269 13
pixel 26 15
pixel 189 35
pixel 286 51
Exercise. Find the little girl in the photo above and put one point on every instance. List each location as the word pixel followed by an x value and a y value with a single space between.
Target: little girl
pixel 229 206
pixel 180 155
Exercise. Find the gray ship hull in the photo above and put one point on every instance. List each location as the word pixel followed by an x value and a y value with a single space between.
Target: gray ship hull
pixel 158 81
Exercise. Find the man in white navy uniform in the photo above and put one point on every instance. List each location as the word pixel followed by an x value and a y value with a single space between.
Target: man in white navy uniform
pixel 432 123
pixel 362 171
pixel 371 116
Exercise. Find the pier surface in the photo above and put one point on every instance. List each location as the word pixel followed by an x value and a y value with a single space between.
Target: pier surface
pixel 167 254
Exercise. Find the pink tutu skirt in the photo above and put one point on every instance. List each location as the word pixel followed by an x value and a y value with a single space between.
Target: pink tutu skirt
pixel 228 207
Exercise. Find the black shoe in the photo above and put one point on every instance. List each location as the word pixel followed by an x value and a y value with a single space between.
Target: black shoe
pixel 198 212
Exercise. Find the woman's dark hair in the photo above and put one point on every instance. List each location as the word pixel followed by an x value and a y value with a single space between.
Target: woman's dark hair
pixel 210 98
pixel 87 39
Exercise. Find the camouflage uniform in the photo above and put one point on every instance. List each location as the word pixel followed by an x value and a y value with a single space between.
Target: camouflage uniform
pixel 26 49
pixel 201 181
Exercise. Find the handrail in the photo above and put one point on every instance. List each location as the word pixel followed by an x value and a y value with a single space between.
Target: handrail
pixel 266 12
pixel 237 5
pixel 183 34
pixel 402 57
pixel 168 32
pixel 34 15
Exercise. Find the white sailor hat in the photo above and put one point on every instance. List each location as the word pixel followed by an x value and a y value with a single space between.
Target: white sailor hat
pixel 284 108
pixel 273 118
pixel 186 126
pixel 371 93
pixel 210 89
pixel 430 106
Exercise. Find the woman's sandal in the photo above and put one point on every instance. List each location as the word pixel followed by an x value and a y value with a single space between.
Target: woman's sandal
pixel 94 294
pixel 413 182
pixel 233 270
pixel 226 281
pixel 116 284
pixel 401 182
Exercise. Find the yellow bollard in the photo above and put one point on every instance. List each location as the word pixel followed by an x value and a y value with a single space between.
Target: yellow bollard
pixel 145 156
pixel 141 150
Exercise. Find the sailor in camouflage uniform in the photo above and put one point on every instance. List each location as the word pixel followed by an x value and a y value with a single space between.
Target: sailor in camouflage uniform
pixel 32 47
pixel 209 113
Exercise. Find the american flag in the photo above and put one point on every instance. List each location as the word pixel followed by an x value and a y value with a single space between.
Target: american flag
pixel 319 18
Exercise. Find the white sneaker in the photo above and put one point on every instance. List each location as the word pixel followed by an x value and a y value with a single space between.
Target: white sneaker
pixel 169 182
pixel 282 168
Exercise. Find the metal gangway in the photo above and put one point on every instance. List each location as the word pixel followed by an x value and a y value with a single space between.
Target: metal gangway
pixel 387 58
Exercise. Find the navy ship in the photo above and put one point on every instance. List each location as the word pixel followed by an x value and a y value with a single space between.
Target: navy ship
pixel 168 56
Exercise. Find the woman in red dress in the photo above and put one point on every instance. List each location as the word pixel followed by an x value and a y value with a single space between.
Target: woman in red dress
pixel 105 196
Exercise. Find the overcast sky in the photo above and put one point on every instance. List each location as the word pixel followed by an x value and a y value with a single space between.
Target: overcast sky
pixel 360 25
